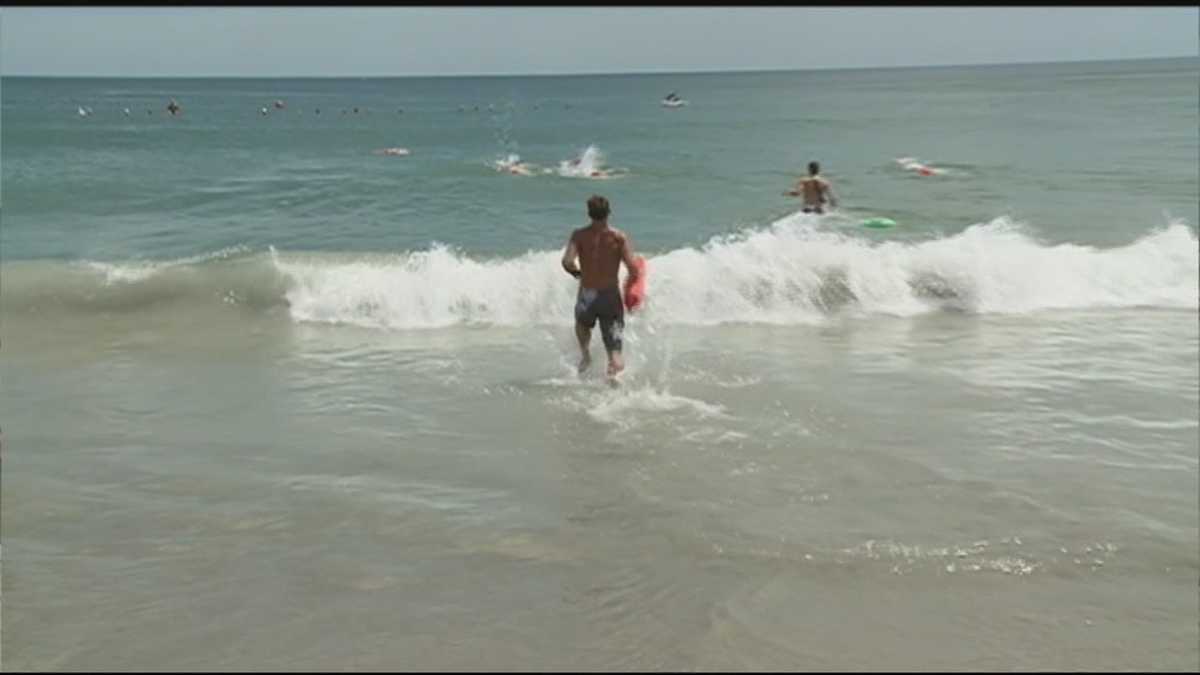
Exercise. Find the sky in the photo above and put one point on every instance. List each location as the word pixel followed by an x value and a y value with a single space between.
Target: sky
pixel 399 41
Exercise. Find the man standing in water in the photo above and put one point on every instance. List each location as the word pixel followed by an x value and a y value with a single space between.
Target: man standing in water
pixel 600 250
pixel 815 190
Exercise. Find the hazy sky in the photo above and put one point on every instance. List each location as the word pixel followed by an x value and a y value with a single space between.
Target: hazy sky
pixel 320 41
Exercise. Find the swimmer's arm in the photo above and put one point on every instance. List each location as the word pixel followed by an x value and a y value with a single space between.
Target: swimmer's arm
pixel 569 255
pixel 628 257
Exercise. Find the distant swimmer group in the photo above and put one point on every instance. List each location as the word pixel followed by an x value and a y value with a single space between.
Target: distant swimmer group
pixel 589 165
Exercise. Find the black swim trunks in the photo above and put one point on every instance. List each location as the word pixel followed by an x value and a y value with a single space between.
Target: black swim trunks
pixel 606 305
pixel 813 209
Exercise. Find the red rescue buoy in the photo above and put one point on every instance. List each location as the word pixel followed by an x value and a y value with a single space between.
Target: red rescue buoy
pixel 635 293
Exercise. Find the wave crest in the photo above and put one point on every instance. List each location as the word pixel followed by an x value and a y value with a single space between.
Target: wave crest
pixel 788 273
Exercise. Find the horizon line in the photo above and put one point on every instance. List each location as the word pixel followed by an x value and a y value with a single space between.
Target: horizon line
pixel 613 73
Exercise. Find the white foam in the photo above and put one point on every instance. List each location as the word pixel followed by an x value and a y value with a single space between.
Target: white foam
pixel 508 160
pixel 616 407
pixel 512 163
pixel 429 289
pixel 789 273
pixel 115 273
pixel 626 404
pixel 589 164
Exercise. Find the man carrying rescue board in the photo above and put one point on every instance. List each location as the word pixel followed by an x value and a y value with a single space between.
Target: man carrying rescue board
pixel 814 189
pixel 600 250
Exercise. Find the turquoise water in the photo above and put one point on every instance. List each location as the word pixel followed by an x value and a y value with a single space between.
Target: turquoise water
pixel 1085 153
pixel 272 399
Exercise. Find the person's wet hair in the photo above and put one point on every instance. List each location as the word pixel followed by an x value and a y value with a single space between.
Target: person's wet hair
pixel 814 168
pixel 597 207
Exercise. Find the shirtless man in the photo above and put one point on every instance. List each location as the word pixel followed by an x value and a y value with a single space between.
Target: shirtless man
pixel 815 189
pixel 600 250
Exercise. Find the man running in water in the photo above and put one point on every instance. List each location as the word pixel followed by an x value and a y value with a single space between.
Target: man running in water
pixel 815 190
pixel 600 250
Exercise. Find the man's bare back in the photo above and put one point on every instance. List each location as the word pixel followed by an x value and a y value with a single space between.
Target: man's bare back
pixel 600 250
pixel 814 190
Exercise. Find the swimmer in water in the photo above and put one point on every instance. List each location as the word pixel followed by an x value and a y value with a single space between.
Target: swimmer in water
pixel 921 169
pixel 513 165
pixel 174 108
pixel 576 163
pixel 815 190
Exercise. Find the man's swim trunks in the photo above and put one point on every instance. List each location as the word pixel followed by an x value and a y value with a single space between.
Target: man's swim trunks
pixel 605 305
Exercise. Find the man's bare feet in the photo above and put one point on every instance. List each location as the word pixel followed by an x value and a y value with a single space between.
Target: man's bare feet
pixel 615 364
pixel 585 363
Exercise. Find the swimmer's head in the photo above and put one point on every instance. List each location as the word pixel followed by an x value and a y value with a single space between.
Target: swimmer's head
pixel 597 208
pixel 814 168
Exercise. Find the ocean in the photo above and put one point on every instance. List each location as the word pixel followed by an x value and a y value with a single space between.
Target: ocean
pixel 274 398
